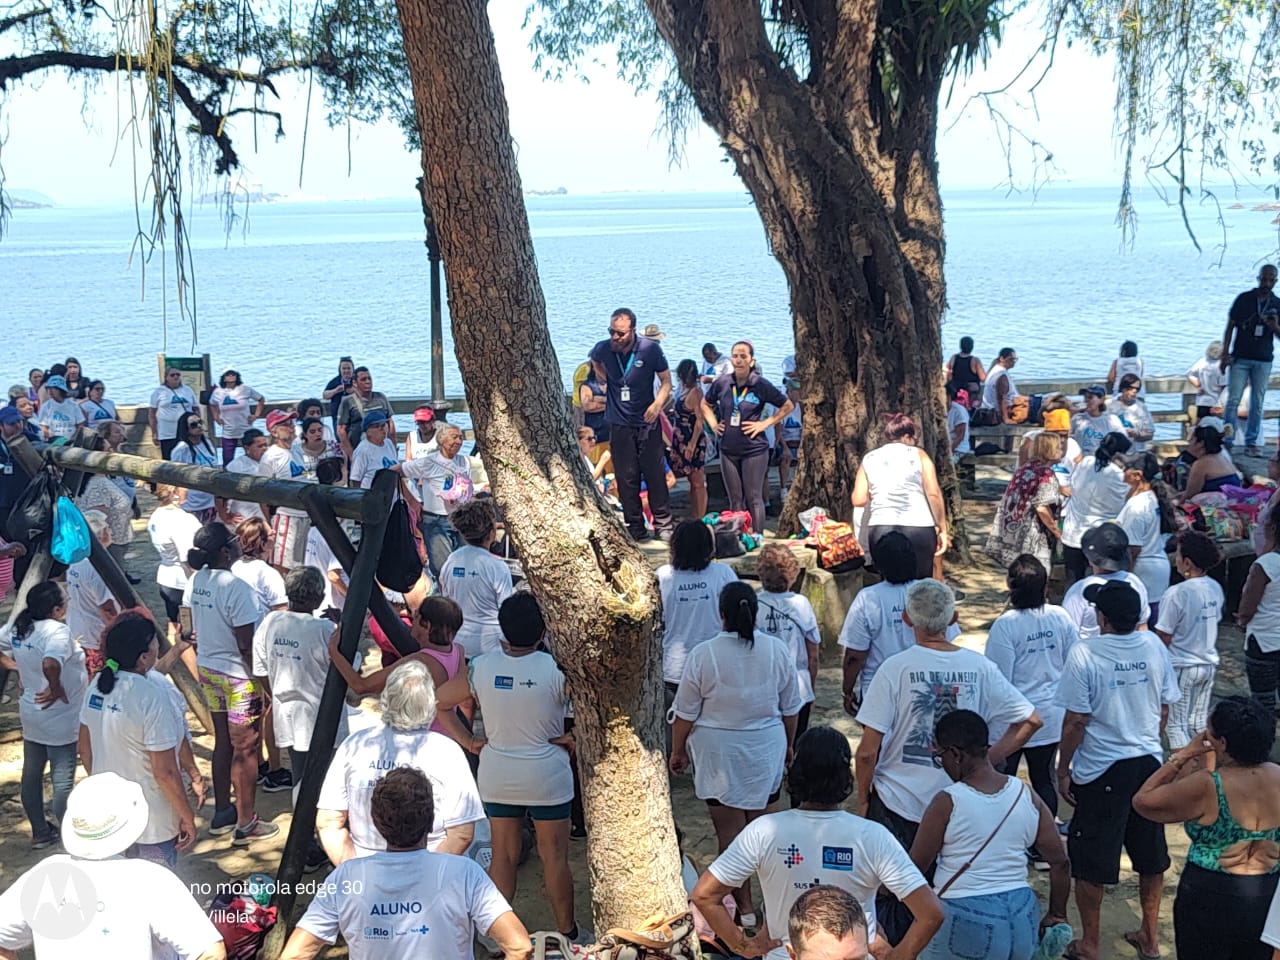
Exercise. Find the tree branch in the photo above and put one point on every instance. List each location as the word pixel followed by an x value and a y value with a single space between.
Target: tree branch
pixel 8 23
pixel 210 125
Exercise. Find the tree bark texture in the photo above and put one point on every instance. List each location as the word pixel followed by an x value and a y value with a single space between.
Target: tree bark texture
pixel 598 593
pixel 847 187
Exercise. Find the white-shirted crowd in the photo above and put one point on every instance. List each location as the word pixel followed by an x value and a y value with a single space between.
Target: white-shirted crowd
pixel 425 824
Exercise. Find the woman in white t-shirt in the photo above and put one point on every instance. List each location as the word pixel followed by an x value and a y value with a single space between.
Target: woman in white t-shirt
pixel 129 726
pixel 789 617
pixel 977 831
pixel 734 720
pixel 1028 643
pixel 224 612
pixel 51 670
pixel 192 447
pixel 690 585
pixel 1098 492
pixel 169 402
pixel 1147 518
pixel 59 415
pixel 525 767
pixel 1190 612
pixel 898 486
pixel 96 407
pixel 252 567
pixel 172 531
pixel 1259 618
pixel 475 579
pixel 234 407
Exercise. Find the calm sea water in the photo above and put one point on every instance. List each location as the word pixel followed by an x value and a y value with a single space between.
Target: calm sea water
pixel 300 284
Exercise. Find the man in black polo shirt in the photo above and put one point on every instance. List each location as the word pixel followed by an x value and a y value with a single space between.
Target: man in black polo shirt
pixel 627 364
pixel 1255 319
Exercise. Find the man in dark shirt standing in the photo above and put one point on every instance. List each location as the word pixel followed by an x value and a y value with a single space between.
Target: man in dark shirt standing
pixel 627 364
pixel 1255 319
pixel 13 480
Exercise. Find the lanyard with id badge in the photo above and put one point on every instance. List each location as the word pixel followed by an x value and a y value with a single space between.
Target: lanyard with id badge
pixel 735 418
pixel 624 392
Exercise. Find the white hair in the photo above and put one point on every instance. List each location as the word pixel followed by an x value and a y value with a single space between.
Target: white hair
pixel 408 700
pixel 447 428
pixel 931 606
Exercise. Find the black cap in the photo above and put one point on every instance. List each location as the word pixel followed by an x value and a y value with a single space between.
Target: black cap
pixel 1117 601
pixel 1106 546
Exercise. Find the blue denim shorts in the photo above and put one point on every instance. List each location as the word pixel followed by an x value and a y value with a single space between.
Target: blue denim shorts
pixel 999 926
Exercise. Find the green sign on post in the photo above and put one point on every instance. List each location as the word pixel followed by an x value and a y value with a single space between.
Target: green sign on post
pixel 195 371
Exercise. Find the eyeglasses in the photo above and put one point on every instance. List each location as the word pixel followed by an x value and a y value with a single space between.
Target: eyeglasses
pixel 588 439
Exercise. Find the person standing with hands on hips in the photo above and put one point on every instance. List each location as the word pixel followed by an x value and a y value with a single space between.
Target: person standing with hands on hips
pixel 734 409
pixel 627 365
pixel 1254 317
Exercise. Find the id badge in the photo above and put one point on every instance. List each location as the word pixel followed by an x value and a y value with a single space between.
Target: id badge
pixel 625 394
pixel 735 419
pixel 7 470
pixel 1257 330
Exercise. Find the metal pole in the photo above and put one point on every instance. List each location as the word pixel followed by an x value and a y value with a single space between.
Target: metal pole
pixel 320 751
pixel 432 243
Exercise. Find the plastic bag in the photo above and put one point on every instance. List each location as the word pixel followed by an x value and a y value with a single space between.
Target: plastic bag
pixel 399 565
pixel 71 536
pixel 32 514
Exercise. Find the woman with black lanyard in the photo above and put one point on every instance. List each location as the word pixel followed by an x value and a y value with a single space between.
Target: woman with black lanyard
pixel 734 410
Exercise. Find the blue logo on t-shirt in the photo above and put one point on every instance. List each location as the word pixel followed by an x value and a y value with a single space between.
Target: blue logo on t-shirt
pixel 837 858
pixel 459 571
pixel 294 469
pixel 95 701
pixel 387 463
pixel 504 683
pixel 230 401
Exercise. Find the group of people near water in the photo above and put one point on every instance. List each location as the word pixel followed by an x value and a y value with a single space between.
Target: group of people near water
pixel 423 820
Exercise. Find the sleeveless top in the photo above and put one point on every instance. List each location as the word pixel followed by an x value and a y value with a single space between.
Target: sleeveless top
pixel 452 663
pixel 896 484
pixel 1209 841
pixel 1002 866
pixel 997 373
pixel 962 372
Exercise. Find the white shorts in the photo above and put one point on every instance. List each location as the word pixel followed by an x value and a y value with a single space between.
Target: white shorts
pixel 289 549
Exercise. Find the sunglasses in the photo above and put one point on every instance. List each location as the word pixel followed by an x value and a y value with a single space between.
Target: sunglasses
pixel 619 334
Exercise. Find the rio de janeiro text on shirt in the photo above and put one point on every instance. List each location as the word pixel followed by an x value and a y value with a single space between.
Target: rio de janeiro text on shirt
pixel 942 676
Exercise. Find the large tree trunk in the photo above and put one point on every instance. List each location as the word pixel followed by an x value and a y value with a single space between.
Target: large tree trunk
pixel 598 593
pixel 849 199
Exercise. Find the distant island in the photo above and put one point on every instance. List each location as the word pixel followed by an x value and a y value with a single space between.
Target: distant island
pixel 27 200
pixel 255 195
pixel 557 192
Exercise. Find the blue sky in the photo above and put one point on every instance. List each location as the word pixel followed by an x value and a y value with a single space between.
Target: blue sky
pixel 589 138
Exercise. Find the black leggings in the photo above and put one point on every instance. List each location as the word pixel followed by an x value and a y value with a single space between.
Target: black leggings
pixel 924 541
pixel 744 482
pixel 1039 769
pixel 1206 898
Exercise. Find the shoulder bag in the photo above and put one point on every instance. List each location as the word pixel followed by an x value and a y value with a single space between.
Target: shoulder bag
pixel 985 843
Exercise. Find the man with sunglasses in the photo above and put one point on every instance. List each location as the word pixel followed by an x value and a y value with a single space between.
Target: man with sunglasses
pixel 1254 320
pixel 627 365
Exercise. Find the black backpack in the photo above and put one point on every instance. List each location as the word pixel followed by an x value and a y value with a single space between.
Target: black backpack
pixel 32 515
pixel 399 565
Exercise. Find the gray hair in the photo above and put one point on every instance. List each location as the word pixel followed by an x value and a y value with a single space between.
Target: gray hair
pixel 931 606
pixel 447 428
pixel 304 586
pixel 408 700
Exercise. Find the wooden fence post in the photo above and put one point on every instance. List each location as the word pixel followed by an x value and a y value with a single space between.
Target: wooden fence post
pixel 320 751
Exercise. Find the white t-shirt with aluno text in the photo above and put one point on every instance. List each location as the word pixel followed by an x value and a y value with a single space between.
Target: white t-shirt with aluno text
pixel 220 601
pixel 690 611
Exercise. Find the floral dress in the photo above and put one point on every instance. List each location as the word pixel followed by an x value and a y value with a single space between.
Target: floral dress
pixel 687 426
pixel 1017 528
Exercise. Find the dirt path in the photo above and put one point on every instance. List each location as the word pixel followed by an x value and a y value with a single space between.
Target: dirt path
pixel 215 861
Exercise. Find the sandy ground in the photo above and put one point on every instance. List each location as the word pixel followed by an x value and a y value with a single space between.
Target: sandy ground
pixel 215 861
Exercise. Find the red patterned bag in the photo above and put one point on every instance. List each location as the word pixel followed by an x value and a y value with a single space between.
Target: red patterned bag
pixel 838 548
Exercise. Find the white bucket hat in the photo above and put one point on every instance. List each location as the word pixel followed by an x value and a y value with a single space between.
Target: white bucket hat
pixel 105 816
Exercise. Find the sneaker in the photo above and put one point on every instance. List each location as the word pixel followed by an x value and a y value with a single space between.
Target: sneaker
pixel 48 838
pixel 263 769
pixel 1253 451
pixel 577 832
pixel 276 781
pixel 224 821
pixel 1064 829
pixel 316 858
pixel 254 830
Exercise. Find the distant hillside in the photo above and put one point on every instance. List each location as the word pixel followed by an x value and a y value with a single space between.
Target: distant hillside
pixel 28 200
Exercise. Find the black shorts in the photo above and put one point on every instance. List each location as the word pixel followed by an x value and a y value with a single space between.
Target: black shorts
pixel 924 541
pixel 1105 823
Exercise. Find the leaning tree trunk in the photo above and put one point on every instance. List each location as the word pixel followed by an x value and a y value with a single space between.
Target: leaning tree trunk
pixel 599 594
pixel 849 199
